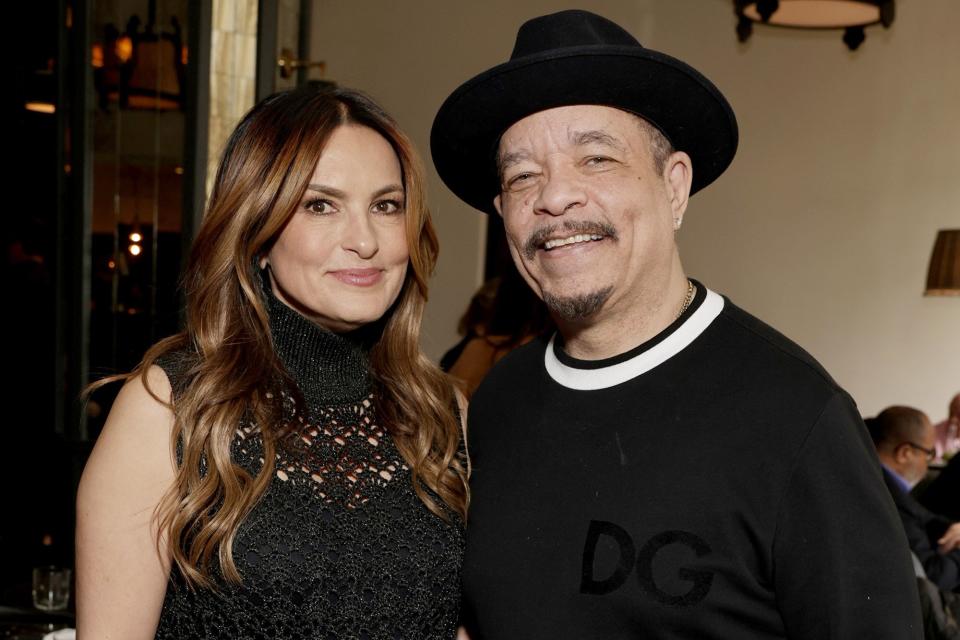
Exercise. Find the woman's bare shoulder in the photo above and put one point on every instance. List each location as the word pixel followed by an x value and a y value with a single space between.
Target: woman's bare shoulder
pixel 134 445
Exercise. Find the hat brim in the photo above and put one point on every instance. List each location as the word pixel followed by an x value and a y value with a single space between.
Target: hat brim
pixel 668 93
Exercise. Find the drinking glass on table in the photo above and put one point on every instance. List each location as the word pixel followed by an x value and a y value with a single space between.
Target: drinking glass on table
pixel 51 588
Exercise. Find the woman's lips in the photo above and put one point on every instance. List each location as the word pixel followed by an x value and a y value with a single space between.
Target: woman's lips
pixel 358 277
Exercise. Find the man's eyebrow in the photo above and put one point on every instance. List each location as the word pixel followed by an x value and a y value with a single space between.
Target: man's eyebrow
pixel 577 139
pixel 507 159
pixel 595 136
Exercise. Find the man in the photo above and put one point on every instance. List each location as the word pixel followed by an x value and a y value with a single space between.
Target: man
pixel 904 439
pixel 666 466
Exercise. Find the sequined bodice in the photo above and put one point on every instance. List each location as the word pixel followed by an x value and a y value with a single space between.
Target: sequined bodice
pixel 340 546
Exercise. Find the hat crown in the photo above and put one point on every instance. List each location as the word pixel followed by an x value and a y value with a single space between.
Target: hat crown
pixel 573 28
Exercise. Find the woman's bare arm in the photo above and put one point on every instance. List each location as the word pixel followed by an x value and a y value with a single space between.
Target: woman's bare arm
pixel 121 574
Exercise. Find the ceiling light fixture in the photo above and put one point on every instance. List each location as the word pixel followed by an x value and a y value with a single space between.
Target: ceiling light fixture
pixel 850 15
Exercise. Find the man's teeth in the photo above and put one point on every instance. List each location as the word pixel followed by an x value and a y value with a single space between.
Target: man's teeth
pixel 562 242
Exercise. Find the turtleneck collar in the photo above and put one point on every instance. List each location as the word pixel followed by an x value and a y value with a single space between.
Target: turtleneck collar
pixel 329 368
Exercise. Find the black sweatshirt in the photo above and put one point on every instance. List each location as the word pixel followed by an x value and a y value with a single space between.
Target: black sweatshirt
pixel 713 482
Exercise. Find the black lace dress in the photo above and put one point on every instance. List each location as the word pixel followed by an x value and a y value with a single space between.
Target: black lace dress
pixel 340 546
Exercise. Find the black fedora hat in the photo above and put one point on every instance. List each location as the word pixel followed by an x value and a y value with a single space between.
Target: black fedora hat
pixel 577 57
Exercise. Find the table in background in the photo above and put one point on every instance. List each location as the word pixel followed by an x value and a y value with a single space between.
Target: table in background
pixel 31 624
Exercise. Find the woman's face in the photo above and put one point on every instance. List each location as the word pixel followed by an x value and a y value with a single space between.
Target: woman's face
pixel 342 257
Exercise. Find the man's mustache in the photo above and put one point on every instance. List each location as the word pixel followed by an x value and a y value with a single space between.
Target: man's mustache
pixel 541 235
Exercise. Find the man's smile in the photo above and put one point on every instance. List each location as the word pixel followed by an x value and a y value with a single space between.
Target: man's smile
pixel 569 232
pixel 553 243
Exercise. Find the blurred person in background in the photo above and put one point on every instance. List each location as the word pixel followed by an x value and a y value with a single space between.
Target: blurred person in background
pixel 503 315
pixel 947 432
pixel 904 439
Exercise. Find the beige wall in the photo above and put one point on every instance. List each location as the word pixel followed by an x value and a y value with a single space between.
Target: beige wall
pixel 848 165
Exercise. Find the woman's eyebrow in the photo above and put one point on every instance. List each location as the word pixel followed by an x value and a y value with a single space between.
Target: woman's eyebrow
pixel 327 190
pixel 337 193
pixel 390 188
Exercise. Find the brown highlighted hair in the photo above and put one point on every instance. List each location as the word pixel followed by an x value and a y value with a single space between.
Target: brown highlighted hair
pixel 263 175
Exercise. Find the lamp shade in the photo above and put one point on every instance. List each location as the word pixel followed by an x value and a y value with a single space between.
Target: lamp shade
pixel 814 14
pixel 943 275
pixel 850 15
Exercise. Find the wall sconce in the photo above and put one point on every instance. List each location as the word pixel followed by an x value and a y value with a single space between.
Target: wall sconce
pixel 850 15
pixel 943 275
pixel 41 89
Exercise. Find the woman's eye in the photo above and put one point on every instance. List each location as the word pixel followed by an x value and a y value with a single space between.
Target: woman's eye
pixel 388 206
pixel 318 206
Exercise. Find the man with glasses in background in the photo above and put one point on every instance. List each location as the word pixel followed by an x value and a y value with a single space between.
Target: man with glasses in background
pixel 905 439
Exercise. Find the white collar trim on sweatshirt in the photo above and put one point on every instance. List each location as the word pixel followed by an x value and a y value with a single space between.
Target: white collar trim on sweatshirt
pixel 610 376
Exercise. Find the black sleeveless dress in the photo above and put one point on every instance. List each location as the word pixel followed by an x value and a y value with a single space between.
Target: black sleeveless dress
pixel 339 546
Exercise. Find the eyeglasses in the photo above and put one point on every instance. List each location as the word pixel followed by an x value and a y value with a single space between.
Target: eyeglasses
pixel 931 453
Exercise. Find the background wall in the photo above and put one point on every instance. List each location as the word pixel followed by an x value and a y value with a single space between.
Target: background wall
pixel 848 165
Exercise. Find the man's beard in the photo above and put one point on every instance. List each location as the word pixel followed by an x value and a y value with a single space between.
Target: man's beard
pixel 579 307
pixel 576 308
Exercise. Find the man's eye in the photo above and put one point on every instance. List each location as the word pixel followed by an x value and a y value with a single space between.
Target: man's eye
pixel 595 161
pixel 318 206
pixel 519 178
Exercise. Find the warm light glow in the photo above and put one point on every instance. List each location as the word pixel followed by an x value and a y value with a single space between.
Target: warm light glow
pixel 184 55
pixel 111 264
pixel 96 55
pixel 178 171
pixel 124 48
pixel 152 102
pixel 134 249
pixel 40 107
pixel 819 14
pixel 135 237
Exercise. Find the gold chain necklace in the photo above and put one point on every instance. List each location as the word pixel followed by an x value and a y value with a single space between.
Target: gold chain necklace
pixel 687 300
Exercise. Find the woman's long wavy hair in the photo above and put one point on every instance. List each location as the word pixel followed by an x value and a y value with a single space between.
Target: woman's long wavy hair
pixel 232 369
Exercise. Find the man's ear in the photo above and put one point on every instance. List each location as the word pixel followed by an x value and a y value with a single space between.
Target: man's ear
pixel 678 177
pixel 496 205
pixel 901 453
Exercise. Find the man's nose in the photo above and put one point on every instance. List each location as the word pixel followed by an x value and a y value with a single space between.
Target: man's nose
pixel 562 190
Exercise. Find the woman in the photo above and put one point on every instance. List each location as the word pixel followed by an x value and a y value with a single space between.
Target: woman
pixel 290 465
pixel 503 315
